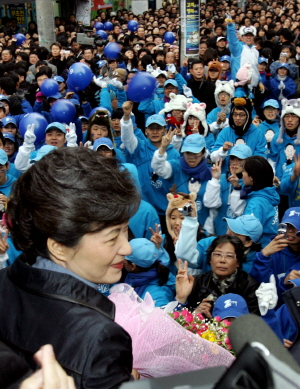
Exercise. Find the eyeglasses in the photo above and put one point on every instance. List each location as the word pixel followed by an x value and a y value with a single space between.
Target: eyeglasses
pixel 239 115
pixel 223 94
pixel 228 256
pixel 155 128
pixel 290 116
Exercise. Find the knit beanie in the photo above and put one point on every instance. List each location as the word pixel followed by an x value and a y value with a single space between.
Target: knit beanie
pixel 289 106
pixel 244 104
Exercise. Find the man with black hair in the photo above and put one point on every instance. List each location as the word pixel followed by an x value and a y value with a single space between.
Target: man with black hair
pixel 43 53
pixel 7 86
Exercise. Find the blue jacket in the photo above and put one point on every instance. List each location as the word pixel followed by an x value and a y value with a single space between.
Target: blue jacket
pixel 290 188
pixel 253 138
pixel 264 127
pixel 105 100
pixel 278 153
pixel 162 295
pixel 184 73
pixel 13 171
pixel 272 85
pixel 154 189
pixel 145 217
pixel 264 205
pixel 213 115
pixel 277 264
pixel 182 183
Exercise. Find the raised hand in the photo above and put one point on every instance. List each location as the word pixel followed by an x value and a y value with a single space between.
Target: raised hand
pixel 221 117
pixel 227 146
pixel 178 131
pixel 71 136
pixel 114 82
pixel 127 109
pixel 234 180
pixel 205 308
pixel 29 137
pixel 296 168
pixel 167 139
pixel 277 244
pixel 100 82
pixel 195 128
pixel 3 243
pixel 156 237
pixel 216 169
pixel 187 91
pixel 184 282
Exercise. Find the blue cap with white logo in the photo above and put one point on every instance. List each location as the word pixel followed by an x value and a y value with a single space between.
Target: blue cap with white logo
pixel 171 82
pixel 225 58
pixel 247 225
pixel 157 119
pixel 271 103
pixel 193 143
pixel 262 60
pixel 230 305
pixel 241 151
pixel 8 120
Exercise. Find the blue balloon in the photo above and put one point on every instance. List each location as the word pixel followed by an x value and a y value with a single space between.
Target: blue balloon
pixel 49 87
pixel 142 86
pixel 102 34
pixel 169 37
pixel 111 50
pixel 40 124
pixel 70 86
pixel 20 39
pixel 98 26
pixel 63 111
pixel 108 26
pixel 132 25
pixel 80 76
pixel 98 109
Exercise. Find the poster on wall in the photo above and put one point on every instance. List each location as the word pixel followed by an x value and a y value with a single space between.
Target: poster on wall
pixel 18 11
pixel 101 4
pixel 192 30
pixel 83 12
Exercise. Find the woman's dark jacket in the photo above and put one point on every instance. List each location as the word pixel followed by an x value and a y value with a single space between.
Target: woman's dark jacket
pixel 244 285
pixel 40 307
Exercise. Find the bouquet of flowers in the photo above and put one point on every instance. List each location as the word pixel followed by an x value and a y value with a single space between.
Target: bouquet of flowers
pixel 214 330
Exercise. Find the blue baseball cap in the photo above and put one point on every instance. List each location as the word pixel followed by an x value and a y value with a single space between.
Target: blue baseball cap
pixel 171 82
pixel 193 143
pixel 75 102
pixel 56 96
pixel 103 142
pixel 262 59
pixel 44 150
pixel 241 151
pixel 59 79
pixel 292 216
pixel 57 126
pixel 283 65
pixel 271 103
pixel 230 305
pixel 157 119
pixel 101 63
pixel 144 253
pixel 8 120
pixel 247 225
pixel 225 58
pixel 3 97
pixel 8 135
pixel 83 118
pixel 295 281
pixel 3 157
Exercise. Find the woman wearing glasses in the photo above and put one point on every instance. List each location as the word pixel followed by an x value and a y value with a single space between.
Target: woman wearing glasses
pixel 226 256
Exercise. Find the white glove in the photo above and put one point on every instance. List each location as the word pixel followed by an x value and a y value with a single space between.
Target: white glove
pixel 89 145
pixel 281 85
pixel 100 82
pixel 267 296
pixel 116 83
pixel 29 138
pixel 149 68
pixel 187 91
pixel 71 136
pixel 172 68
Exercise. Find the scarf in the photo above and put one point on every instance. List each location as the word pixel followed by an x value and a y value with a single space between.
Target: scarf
pixel 245 191
pixel 140 281
pixel 223 285
pixel 166 99
pixel 173 122
pixel 198 173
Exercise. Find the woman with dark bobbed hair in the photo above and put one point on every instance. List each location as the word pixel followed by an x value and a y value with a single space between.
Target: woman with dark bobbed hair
pixel 226 255
pixel 69 216
pixel 258 196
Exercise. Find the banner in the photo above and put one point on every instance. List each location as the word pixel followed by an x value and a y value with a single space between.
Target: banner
pixel 18 11
pixel 192 28
pixel 100 4
pixel 83 12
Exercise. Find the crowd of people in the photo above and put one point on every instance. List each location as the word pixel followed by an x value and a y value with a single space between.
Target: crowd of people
pixel 202 178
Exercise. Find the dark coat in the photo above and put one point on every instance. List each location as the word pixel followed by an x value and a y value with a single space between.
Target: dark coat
pixel 40 307
pixel 244 285
pixel 204 92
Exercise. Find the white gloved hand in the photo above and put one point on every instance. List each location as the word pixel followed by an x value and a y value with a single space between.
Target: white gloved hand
pixel 88 145
pixel 149 68
pixel 116 83
pixel 71 136
pixel 187 91
pixel 29 138
pixel 100 82
pixel 172 68
pixel 281 85
pixel 267 296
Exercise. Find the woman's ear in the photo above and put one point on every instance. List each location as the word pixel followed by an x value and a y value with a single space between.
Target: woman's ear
pixel 248 243
pixel 58 252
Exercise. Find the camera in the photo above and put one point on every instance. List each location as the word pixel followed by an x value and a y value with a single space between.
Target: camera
pixel 282 229
pixel 186 210
pixel 83 39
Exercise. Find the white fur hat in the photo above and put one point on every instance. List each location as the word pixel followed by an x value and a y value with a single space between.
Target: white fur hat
pixel 289 106
pixel 176 102
pixel 247 30
pixel 244 74
pixel 224 86
pixel 197 110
